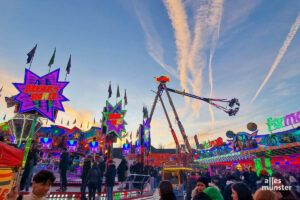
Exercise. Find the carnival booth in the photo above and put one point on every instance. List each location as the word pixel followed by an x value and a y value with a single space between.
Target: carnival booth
pixel 10 159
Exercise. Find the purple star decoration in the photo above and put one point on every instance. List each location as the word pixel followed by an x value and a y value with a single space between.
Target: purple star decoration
pixel 114 119
pixel 44 106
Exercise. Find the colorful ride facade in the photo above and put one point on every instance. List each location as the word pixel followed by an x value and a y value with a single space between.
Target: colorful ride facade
pixel 280 151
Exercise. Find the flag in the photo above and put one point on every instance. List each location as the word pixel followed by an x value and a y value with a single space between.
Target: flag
pixel 47 122
pixel 109 90
pixel 74 121
pixel 10 102
pixel 118 92
pixel 88 125
pixel 94 120
pixel 1 88
pixel 68 123
pixel 61 121
pixel 31 54
pixel 125 98
pixel 4 117
pixel 81 125
pixel 52 58
pixel 69 66
pixel 145 112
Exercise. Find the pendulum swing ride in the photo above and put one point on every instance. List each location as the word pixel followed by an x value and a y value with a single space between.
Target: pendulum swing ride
pixel 231 109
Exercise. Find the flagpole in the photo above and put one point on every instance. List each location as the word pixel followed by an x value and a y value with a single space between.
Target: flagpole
pixel 30 63
pixel 117 95
pixel 50 68
pixel 68 67
pixel 124 99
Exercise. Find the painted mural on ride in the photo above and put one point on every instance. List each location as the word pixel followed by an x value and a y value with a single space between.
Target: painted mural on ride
pixel 250 140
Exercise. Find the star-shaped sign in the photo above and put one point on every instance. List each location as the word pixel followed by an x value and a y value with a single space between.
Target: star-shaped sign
pixel 43 94
pixel 114 119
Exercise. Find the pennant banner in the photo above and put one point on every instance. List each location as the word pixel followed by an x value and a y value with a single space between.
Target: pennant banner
pixel 30 55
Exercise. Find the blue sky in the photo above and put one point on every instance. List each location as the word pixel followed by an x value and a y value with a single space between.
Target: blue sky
pixel 229 46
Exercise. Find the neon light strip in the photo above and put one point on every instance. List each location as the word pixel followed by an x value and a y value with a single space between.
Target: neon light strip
pixel 29 141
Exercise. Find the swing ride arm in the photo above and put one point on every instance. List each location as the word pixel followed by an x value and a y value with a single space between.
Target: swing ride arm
pixel 158 95
pixel 185 138
pixel 172 130
pixel 232 102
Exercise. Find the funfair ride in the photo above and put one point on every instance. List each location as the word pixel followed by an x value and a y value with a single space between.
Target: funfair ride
pixel 231 109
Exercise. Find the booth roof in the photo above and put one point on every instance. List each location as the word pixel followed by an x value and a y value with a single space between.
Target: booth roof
pixel 10 156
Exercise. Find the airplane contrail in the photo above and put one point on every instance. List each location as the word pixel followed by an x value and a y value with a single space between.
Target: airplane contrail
pixel 280 54
pixel 182 35
pixel 206 34
pixel 153 44
pixel 219 10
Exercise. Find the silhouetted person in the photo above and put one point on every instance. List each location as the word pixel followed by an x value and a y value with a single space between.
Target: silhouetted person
pixel 93 180
pixel 101 166
pixel 31 161
pixel 85 169
pixel 122 169
pixel 110 176
pixel 63 167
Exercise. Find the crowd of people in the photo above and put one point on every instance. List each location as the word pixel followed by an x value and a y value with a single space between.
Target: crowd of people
pixel 93 172
pixel 199 185
pixel 237 186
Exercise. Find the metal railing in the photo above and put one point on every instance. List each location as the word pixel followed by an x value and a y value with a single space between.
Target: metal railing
pixel 139 181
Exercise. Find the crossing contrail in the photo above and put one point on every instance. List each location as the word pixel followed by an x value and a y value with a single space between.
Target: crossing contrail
pixel 219 11
pixel 179 19
pixel 182 34
pixel 280 54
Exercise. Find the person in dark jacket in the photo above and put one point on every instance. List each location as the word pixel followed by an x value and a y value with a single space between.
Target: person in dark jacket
pixel 154 174
pixel 191 184
pixel 138 168
pixel 110 179
pixel 31 161
pixel 85 169
pixel 63 167
pixel 122 169
pixel 227 190
pixel 93 178
pixel 101 166
pixel 201 196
